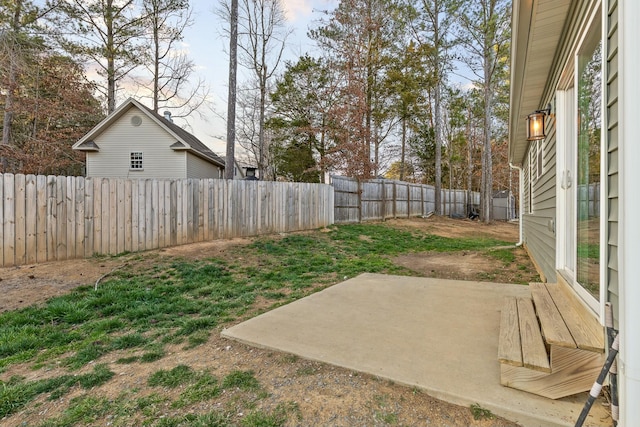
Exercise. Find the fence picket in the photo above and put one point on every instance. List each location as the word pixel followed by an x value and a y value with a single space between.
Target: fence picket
pixel 120 216
pixel 88 216
pixel 20 230
pixel 31 219
pixel 128 215
pixel 79 215
pixel 70 209
pixel 8 220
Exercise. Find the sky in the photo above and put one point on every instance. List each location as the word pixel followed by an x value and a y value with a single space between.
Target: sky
pixel 207 47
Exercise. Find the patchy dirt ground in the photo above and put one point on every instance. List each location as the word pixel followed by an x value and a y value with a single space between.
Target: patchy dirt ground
pixel 325 395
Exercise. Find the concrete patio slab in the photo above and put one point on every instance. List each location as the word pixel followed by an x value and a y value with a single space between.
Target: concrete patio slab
pixel 438 335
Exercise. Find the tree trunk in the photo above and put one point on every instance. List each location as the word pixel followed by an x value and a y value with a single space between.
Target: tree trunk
pixel 487 164
pixel 111 68
pixel 231 102
pixel 9 101
pixel 469 164
pixel 261 137
pixel 437 114
pixel 402 148
pixel 7 121
pixel 156 61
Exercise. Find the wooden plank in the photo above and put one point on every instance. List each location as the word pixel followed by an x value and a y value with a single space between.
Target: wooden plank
pixel 127 196
pixel 167 213
pixel 534 353
pixel 8 220
pixel 574 371
pixel 181 211
pixel 135 215
pixel 61 225
pixel 173 213
pixel 154 189
pixel 107 210
pixel 202 209
pixel 20 216
pixel 31 220
pixel 41 218
pixel 70 207
pixel 161 214
pixel 121 217
pixel 79 183
pixel 89 202
pixel 210 211
pixel 113 216
pixel 97 216
pixel 584 327
pixel 142 216
pixel 553 327
pixel 229 213
pixel 149 214
pixel 509 346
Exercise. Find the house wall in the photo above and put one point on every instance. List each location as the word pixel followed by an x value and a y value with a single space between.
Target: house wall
pixel 612 190
pixel 200 169
pixel 539 216
pixel 538 219
pixel 122 137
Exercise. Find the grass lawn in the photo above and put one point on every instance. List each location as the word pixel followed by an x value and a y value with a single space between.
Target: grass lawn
pixel 140 310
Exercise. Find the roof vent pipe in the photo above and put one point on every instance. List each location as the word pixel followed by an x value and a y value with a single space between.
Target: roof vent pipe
pixel 167 116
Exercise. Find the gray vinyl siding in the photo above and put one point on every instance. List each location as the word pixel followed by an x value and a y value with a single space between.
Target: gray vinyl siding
pixel 539 225
pixel 199 169
pixel 611 96
pixel 121 138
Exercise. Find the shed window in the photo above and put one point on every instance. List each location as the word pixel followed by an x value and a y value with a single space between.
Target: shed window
pixel 136 161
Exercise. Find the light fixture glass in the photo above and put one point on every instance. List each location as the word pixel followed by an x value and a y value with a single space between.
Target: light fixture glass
pixel 535 124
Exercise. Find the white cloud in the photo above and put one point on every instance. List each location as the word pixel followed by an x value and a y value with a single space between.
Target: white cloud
pixel 297 9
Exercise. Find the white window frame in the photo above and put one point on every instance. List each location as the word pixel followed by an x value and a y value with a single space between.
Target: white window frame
pixel 568 135
pixel 136 161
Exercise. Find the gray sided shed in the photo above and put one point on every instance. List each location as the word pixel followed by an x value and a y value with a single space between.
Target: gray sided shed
pixel 166 150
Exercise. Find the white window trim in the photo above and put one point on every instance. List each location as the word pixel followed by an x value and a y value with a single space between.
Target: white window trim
pixel 565 138
pixel 134 158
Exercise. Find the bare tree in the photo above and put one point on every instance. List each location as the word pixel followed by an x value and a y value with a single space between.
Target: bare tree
pixel 434 29
pixel 247 122
pixel 231 101
pixel 485 35
pixel 262 35
pixel 108 33
pixel 170 68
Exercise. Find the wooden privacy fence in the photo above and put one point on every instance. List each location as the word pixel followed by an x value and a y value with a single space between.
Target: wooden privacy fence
pixel 45 218
pixel 379 199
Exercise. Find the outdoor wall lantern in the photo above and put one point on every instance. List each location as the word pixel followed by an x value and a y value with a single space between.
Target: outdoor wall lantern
pixel 535 124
